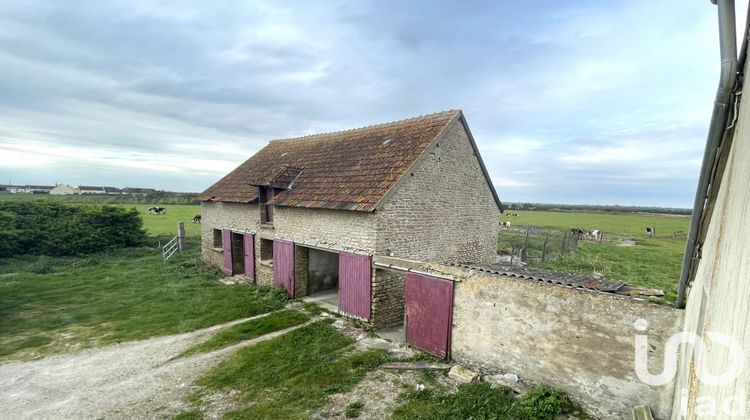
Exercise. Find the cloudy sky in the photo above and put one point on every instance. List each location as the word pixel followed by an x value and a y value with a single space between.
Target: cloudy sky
pixel 570 101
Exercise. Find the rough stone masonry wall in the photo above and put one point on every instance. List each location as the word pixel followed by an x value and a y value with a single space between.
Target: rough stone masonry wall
pixel 444 211
pixel 348 229
pixel 581 342
pixel 235 216
pixel 301 262
pixel 388 299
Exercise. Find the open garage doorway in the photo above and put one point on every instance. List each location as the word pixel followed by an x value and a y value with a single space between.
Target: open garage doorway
pixel 322 271
pixel 317 276
pixel 323 278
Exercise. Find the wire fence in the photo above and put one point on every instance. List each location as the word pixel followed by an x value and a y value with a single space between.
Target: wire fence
pixel 531 244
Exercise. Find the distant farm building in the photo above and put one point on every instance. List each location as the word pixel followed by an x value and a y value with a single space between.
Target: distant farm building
pixel 29 189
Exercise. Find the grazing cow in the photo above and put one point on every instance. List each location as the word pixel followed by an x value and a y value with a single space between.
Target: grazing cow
pixel 197 218
pixel 157 210
pixel 505 225
pixel 595 235
pixel 650 232
pixel 577 233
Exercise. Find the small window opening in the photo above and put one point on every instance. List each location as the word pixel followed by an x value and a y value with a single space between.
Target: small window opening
pixel 266 211
pixel 218 240
pixel 266 249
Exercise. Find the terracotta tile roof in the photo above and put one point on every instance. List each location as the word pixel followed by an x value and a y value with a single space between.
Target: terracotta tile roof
pixel 351 170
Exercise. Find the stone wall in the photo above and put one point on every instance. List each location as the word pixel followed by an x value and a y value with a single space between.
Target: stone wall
pixel 387 299
pixel 581 342
pixel 235 216
pixel 301 263
pixel 444 210
pixel 348 229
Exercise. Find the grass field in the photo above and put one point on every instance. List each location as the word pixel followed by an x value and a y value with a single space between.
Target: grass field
pixel 278 381
pixel 49 305
pixel 249 330
pixel 625 253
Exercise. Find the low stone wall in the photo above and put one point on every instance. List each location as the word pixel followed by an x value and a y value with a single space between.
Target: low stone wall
pixel 581 342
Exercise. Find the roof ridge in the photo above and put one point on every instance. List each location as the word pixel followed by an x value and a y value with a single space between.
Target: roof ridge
pixel 368 127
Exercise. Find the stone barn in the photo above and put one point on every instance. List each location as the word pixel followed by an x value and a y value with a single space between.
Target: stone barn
pixel 310 213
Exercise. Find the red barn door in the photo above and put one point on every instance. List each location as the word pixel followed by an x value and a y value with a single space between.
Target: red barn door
pixel 226 243
pixel 355 275
pixel 429 309
pixel 249 246
pixel 283 266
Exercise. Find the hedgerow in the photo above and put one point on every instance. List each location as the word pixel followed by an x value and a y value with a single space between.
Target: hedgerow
pixel 48 228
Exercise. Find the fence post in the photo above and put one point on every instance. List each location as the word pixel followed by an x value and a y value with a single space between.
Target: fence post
pixel 565 237
pixel 181 241
pixel 526 247
pixel 512 252
pixel 544 249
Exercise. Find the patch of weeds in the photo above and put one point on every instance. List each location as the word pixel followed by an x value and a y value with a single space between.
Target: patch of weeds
pixel 429 377
pixel 249 330
pixel 478 400
pixel 312 308
pixel 354 409
pixel 188 415
pixel 473 400
pixel 290 375
pixel 545 403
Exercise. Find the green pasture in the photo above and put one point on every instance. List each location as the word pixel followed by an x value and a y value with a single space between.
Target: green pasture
pixel 58 304
pixel 625 253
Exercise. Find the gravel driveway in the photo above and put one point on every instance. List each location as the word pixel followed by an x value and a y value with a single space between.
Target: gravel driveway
pixel 136 379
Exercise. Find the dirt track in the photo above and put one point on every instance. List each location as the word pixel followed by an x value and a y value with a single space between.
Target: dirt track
pixel 127 380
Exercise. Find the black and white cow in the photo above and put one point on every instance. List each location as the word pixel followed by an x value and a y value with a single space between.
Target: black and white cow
pixel 157 210
pixel 197 218
pixel 505 225
pixel 578 233
pixel 650 231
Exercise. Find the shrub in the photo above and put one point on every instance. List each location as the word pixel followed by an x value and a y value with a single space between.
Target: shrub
pixel 47 228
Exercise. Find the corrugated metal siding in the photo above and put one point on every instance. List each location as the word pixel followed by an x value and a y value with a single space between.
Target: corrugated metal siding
pixel 355 274
pixel 429 309
pixel 226 242
pixel 283 265
pixel 249 256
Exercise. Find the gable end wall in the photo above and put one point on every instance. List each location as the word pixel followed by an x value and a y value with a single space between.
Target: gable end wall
pixel 445 212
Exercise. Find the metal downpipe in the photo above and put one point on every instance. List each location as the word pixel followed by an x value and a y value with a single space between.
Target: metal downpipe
pixel 727 79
